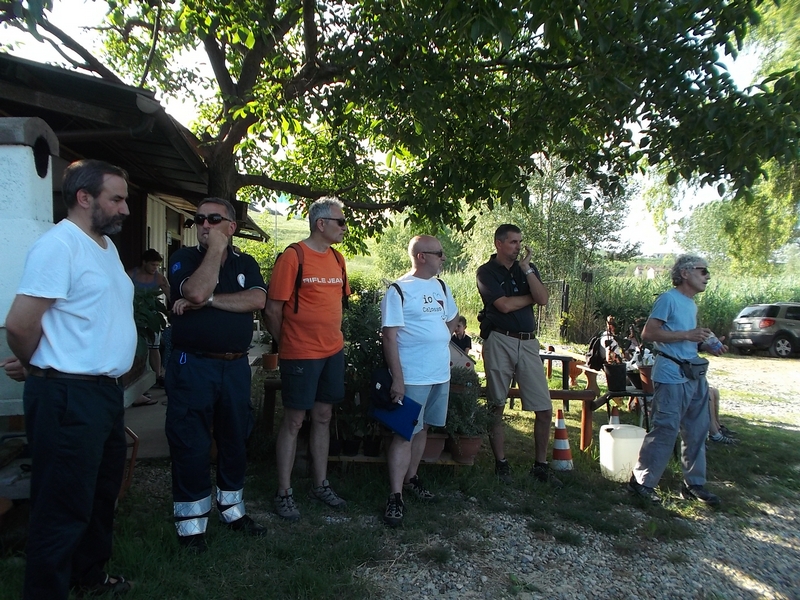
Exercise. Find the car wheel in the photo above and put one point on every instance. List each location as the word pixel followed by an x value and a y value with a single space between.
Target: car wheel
pixel 781 347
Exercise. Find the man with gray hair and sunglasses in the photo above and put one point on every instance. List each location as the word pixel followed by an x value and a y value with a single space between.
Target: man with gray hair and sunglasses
pixel 215 291
pixel 680 402
pixel 307 292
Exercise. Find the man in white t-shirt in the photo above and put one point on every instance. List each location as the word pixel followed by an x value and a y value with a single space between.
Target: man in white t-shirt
pixel 418 320
pixel 71 327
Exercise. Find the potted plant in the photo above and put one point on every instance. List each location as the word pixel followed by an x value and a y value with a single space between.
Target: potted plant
pixel 467 418
pixel 150 318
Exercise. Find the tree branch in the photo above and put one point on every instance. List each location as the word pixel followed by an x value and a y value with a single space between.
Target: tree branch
pixel 310 31
pixel 90 62
pixel 305 191
pixel 152 52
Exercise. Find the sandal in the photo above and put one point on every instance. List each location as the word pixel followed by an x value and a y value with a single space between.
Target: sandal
pixel 118 587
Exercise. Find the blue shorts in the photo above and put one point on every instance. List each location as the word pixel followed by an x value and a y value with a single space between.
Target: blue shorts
pixel 306 381
pixel 433 399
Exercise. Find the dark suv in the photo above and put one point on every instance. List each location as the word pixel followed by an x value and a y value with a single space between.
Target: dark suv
pixel 774 327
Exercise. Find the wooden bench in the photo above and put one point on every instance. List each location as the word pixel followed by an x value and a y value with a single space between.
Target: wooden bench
pixel 564 395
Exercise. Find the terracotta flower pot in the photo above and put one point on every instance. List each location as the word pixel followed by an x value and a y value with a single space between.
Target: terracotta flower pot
pixel 647 382
pixel 434 446
pixel 269 362
pixel 465 449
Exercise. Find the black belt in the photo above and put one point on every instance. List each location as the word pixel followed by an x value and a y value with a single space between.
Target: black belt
pixel 520 335
pixel 54 374
pixel 214 355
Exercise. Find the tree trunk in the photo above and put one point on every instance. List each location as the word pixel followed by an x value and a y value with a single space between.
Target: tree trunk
pixel 223 175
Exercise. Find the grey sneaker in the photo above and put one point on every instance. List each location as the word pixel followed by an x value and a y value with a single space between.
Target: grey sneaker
pixel 543 473
pixel 285 507
pixel 393 515
pixel 503 471
pixel 698 492
pixel 415 486
pixel 721 438
pixel 642 491
pixel 326 495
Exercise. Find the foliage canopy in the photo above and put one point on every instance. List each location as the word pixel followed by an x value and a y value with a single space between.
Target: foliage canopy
pixel 416 105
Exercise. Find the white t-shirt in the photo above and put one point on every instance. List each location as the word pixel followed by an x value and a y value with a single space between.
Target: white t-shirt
pixel 89 329
pixel 423 338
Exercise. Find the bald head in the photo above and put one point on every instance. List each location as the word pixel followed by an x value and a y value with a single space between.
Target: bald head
pixel 427 256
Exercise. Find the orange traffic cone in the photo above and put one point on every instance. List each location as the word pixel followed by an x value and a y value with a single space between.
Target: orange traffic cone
pixel 562 455
pixel 614 420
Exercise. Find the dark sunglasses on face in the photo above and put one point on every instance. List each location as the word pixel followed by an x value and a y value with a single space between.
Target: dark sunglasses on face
pixel 339 222
pixel 703 270
pixel 438 253
pixel 213 219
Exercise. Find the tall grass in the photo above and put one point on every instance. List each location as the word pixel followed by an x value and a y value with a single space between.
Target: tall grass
pixel 631 298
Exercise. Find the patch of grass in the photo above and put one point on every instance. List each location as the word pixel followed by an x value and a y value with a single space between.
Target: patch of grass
pixel 667 530
pixel 539 526
pixel 569 537
pixel 517 585
pixel 438 553
pixel 626 547
pixel 677 558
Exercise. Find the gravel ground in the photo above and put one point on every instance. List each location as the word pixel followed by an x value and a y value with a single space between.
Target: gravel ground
pixel 729 557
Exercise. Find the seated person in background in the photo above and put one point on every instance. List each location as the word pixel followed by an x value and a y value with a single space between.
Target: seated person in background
pixel 717 432
pixel 460 337
pixel 608 341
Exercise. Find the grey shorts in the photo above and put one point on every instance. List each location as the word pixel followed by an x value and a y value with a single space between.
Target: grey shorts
pixel 306 381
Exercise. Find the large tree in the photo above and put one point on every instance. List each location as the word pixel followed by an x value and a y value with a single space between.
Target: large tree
pixel 456 98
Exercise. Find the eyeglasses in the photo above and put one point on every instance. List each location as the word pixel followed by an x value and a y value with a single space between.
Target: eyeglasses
pixel 703 270
pixel 213 218
pixel 439 253
pixel 339 222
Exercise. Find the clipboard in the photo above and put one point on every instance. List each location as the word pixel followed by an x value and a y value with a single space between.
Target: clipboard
pixel 402 419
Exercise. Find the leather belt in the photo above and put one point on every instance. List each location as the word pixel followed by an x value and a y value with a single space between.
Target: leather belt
pixel 54 374
pixel 214 355
pixel 520 335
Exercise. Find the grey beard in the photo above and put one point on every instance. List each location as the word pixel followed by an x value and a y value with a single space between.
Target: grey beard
pixel 106 226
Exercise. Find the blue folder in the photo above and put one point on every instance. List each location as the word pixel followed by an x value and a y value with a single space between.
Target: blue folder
pixel 402 419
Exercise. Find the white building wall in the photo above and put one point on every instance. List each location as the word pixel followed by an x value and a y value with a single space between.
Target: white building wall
pixel 26 212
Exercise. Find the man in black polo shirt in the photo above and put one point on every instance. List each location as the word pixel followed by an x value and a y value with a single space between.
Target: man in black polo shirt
pixel 509 288
pixel 216 291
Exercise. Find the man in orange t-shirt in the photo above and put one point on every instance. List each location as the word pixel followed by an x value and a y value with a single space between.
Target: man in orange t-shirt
pixel 308 330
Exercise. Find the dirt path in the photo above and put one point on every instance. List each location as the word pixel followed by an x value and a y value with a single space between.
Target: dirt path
pixel 764 388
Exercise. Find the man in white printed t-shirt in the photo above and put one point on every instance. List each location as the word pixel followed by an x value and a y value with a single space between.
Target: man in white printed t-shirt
pixel 71 327
pixel 418 321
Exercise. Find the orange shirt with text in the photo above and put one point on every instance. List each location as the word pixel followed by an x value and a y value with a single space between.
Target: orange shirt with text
pixel 315 330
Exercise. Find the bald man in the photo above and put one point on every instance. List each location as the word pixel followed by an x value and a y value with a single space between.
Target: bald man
pixel 418 317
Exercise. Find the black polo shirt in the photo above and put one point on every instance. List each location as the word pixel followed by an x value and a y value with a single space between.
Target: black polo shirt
pixel 210 329
pixel 495 281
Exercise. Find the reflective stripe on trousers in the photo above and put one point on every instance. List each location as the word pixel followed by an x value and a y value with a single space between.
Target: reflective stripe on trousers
pixel 230 505
pixel 191 517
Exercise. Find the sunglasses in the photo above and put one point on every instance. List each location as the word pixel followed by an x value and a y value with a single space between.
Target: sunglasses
pixel 439 253
pixel 703 270
pixel 213 218
pixel 339 222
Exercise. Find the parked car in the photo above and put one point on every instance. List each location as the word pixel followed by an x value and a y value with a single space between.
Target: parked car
pixel 773 327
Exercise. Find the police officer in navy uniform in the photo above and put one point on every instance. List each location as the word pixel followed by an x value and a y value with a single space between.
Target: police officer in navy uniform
pixel 215 291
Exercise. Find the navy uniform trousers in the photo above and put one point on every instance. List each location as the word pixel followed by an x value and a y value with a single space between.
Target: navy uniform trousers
pixel 76 434
pixel 205 395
